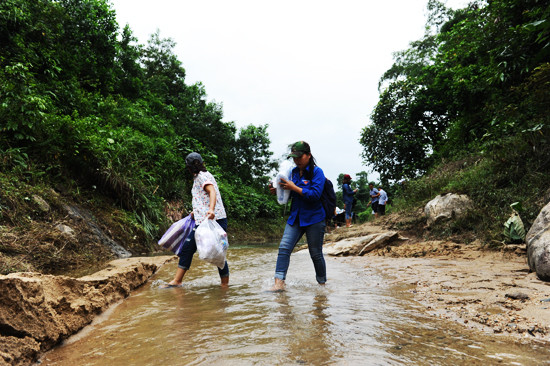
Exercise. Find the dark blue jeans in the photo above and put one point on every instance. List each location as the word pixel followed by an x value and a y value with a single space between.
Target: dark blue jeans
pixel 314 235
pixel 348 210
pixel 190 247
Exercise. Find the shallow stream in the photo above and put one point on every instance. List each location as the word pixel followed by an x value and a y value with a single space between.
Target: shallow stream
pixel 356 319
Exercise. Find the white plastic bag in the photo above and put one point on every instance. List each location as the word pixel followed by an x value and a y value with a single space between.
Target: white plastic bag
pixel 212 242
pixel 285 170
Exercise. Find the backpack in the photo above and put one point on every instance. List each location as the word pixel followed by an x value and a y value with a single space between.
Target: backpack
pixel 328 199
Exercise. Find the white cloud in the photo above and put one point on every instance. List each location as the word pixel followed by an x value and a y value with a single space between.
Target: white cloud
pixel 308 68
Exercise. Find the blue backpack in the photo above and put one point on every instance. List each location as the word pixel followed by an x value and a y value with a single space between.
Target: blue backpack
pixel 328 199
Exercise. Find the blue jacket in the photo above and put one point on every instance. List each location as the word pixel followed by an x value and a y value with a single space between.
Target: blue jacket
pixel 347 194
pixel 307 208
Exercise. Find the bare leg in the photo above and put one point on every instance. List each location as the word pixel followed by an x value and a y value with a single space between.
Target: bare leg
pixel 178 278
pixel 278 286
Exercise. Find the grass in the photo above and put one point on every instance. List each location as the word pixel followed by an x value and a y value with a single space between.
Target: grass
pixel 493 181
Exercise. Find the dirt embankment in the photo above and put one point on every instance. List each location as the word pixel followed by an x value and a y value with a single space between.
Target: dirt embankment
pixel 491 290
pixel 38 311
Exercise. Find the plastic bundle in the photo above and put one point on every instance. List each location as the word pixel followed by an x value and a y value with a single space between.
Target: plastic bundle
pixel 176 235
pixel 285 170
pixel 212 242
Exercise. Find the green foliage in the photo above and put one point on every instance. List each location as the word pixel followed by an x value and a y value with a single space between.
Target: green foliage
pixel 244 203
pixel 81 100
pixel 362 196
pixel 491 181
pixel 253 155
pixel 465 86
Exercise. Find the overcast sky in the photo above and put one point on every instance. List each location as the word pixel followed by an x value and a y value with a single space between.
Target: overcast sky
pixel 307 68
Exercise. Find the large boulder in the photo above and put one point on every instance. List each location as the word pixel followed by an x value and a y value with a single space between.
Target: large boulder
pixel 538 245
pixel 447 206
pixel 360 245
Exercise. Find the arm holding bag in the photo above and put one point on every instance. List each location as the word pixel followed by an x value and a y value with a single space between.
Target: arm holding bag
pixel 175 236
pixel 285 171
pixel 212 242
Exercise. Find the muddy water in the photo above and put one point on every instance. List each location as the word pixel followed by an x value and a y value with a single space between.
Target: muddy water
pixel 356 319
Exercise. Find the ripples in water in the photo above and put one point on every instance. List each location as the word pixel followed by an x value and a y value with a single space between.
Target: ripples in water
pixel 356 319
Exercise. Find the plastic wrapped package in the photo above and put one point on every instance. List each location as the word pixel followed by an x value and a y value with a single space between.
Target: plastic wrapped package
pixel 212 242
pixel 176 235
pixel 285 170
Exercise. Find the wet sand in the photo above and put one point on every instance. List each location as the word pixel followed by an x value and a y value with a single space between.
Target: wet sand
pixel 484 289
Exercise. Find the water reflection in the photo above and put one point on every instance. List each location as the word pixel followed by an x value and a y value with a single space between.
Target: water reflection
pixel 354 320
pixel 307 338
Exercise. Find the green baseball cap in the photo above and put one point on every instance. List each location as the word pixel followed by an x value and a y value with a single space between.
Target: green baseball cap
pixel 298 149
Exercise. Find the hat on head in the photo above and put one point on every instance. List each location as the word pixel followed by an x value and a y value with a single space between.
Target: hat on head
pixel 298 149
pixel 347 176
pixel 189 159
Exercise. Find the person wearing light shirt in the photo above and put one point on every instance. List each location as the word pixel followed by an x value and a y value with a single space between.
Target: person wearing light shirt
pixel 382 200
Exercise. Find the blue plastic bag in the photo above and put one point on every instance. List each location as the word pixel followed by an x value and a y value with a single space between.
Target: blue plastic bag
pixel 176 235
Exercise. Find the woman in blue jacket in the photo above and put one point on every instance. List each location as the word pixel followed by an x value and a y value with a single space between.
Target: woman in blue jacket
pixel 347 197
pixel 307 215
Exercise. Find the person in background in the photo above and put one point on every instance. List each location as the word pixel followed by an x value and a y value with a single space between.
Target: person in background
pixel 373 198
pixel 207 205
pixel 307 215
pixel 382 200
pixel 347 196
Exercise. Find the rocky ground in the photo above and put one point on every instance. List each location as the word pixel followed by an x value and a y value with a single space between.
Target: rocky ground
pixel 479 288
pixel 38 311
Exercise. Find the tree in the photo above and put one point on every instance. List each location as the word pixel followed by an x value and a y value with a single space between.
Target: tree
pixel 362 183
pixel 453 91
pixel 130 74
pixel 254 160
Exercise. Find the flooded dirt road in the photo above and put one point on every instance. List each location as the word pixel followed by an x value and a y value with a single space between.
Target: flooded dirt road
pixel 356 319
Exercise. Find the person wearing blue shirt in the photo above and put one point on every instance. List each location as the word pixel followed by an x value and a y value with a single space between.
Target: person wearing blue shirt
pixel 307 215
pixel 374 194
pixel 347 197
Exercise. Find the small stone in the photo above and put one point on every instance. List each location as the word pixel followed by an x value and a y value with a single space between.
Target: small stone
pixel 65 229
pixel 42 204
pixel 517 296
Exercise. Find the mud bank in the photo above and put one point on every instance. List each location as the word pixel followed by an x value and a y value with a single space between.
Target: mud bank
pixel 489 290
pixel 39 311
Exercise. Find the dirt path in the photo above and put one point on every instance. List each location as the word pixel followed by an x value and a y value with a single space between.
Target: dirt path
pixel 489 290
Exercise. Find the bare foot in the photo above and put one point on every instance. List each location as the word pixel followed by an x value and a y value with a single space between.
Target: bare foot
pixel 172 284
pixel 278 286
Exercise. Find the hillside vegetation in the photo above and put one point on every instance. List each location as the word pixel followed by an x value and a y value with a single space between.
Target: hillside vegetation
pixel 94 128
pixel 92 117
pixel 465 110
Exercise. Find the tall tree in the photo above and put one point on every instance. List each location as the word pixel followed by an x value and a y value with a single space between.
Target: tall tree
pixel 254 159
pixel 453 90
